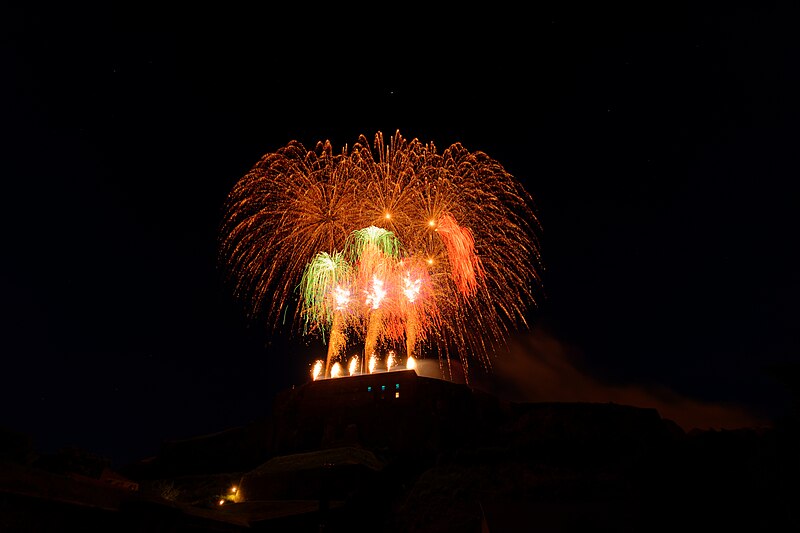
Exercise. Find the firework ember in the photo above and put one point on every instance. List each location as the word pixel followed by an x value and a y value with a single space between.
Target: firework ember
pixel 398 246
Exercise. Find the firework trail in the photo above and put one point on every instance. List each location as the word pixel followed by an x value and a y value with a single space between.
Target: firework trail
pixel 460 246
pixel 393 245
pixel 325 287
pixel 374 250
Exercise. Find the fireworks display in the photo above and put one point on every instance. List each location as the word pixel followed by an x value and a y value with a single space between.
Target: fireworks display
pixel 396 248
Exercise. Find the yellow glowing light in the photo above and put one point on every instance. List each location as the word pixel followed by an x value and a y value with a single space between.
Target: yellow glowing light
pixel 388 216
pixel 411 363
pixel 317 370
pixel 372 363
pixel 353 367
pixel 234 489
pixel 430 261
pixel 431 223
pixel 336 371
pixel 221 502
pixel 390 360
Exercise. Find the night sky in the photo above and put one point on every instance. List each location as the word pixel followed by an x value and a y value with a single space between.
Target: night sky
pixel 660 147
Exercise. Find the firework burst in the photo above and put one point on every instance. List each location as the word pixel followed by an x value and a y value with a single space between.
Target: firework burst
pixel 393 245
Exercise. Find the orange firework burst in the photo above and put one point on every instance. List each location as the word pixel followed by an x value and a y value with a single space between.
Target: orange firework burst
pixel 459 272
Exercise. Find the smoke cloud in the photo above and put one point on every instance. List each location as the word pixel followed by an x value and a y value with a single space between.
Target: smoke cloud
pixel 541 368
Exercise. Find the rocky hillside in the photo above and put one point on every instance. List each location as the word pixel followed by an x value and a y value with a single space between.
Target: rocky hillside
pixel 398 452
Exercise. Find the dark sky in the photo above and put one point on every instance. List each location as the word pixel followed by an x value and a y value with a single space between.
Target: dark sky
pixel 660 147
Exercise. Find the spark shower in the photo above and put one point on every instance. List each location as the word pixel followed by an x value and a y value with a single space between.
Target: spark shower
pixel 396 248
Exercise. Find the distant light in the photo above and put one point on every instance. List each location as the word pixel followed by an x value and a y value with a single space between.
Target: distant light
pixel 396 385
pixel 431 223
pixel 383 387
pixel 430 261
pixel 234 489
pixel 221 502
pixel 396 394
pixel 369 389
pixel 388 216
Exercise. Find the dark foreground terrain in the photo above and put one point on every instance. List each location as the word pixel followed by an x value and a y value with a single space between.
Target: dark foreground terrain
pixel 396 452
